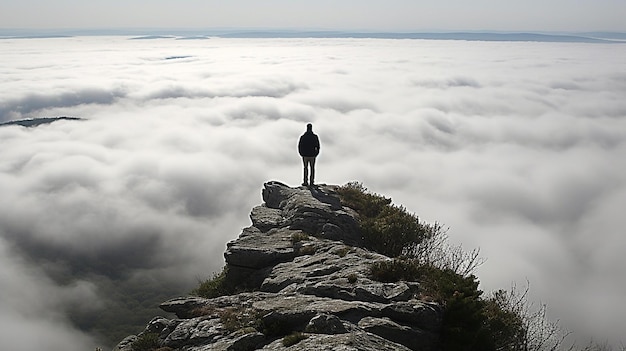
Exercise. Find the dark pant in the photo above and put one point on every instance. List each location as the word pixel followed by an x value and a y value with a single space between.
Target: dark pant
pixel 309 162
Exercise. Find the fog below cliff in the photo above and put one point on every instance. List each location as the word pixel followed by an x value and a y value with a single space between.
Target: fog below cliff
pixel 517 147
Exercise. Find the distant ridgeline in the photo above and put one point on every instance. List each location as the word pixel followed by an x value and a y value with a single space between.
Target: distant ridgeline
pixel 468 36
pixel 599 37
pixel 33 122
pixel 147 34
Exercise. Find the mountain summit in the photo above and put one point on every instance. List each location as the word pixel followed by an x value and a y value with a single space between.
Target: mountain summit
pixel 300 276
pixel 339 268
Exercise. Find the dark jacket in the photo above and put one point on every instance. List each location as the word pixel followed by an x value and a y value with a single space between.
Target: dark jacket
pixel 309 145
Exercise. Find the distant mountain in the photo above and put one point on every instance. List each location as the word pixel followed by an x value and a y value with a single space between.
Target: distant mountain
pixel 469 36
pixel 148 37
pixel 33 122
pixel 605 35
pixel 156 33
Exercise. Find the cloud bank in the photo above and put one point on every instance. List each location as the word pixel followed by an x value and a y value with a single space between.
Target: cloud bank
pixel 517 147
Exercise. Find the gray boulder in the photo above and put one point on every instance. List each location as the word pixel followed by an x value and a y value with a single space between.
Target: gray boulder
pixel 326 324
pixel 413 338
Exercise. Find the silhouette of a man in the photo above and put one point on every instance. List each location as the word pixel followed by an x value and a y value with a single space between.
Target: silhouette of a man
pixel 309 148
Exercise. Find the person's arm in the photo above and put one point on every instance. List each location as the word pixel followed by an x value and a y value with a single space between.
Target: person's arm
pixel 300 146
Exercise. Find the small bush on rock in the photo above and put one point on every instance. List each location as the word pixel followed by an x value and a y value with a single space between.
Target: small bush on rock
pixel 421 252
pixel 342 252
pixel 356 196
pixel 214 287
pixel 470 322
pixel 394 270
pixel 387 229
pixel 507 326
pixel 293 339
pixel 235 319
pixel 147 342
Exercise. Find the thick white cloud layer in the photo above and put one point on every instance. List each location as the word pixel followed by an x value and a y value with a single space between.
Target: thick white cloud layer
pixel 517 147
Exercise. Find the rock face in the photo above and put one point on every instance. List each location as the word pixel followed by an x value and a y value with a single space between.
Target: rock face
pixel 307 286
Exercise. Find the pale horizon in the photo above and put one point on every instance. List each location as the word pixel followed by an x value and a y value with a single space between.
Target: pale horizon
pixel 390 16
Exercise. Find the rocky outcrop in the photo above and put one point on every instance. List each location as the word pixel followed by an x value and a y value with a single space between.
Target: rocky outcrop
pixel 307 286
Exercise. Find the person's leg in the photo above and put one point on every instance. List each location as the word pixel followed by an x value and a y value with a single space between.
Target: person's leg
pixel 306 170
pixel 312 162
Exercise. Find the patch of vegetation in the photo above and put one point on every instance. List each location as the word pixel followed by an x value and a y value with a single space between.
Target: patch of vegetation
pixel 358 198
pixel 387 229
pixel 465 322
pixel 293 339
pixel 299 237
pixel 204 311
pixel 214 287
pixel 352 278
pixel 435 250
pixel 342 252
pixel 235 319
pixel 395 270
pixel 146 342
pixel 421 252
pixel 505 323
pixel 302 249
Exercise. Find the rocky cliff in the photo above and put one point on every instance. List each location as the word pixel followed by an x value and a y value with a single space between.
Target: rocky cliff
pixel 299 279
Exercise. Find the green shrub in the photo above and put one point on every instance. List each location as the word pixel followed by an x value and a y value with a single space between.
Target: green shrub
pixel 436 250
pixel 507 326
pixel 356 196
pixel 387 229
pixel 395 270
pixel 214 287
pixel 464 322
pixel 517 324
pixel 293 339
pixel 464 326
pixel 146 342
pixel 421 253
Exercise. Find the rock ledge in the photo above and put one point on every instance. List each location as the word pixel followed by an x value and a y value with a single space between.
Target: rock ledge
pixel 305 270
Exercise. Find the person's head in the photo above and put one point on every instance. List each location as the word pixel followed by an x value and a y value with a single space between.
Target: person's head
pixel 309 127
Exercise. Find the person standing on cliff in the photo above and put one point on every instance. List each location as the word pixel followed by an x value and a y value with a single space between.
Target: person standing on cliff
pixel 309 148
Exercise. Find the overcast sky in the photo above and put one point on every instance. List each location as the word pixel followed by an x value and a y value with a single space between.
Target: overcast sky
pixel 517 147
pixel 388 15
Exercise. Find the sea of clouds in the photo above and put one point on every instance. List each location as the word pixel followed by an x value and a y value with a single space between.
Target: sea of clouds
pixel 518 148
